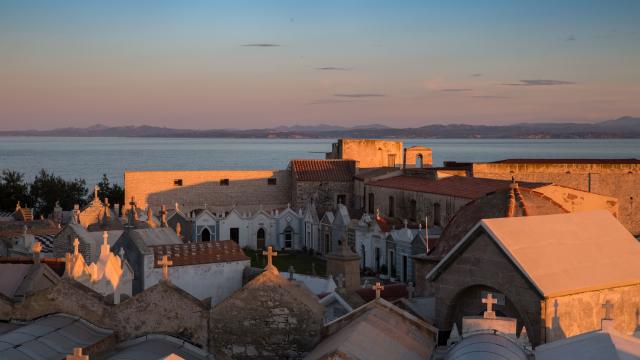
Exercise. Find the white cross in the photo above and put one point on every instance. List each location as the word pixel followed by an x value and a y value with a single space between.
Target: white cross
pixel 490 300
pixel 77 355
pixel 270 254
pixel 377 287
pixel 76 243
pixel 165 263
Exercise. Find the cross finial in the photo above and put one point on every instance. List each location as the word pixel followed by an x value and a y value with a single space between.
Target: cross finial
pixel 291 271
pixel 270 254
pixel 36 248
pixel 77 355
pixel 165 263
pixel 105 238
pixel 76 243
pixel 489 300
pixel 95 192
pixel 411 290
pixel 378 288
pixel 608 309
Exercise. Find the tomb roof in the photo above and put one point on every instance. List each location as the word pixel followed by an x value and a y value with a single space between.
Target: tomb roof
pixel 199 253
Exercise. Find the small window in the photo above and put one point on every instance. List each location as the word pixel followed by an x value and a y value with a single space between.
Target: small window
pixel 341 199
pixel 224 182
pixel 272 181
pixel 392 206
pixel 177 182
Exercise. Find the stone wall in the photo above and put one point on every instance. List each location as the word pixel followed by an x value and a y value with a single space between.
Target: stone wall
pixel 163 309
pixel 267 319
pixel 412 154
pixel 621 181
pixel 325 194
pixel 425 204
pixel 367 153
pixel 248 187
pixel 571 315
pixel 482 266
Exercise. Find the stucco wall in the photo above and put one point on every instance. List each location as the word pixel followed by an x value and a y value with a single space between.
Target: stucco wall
pixel 575 314
pixel 216 281
pixel 621 181
pixel 199 187
pixel 424 204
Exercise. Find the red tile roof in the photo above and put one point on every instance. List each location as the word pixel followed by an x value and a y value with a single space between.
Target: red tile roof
pixel 458 186
pixel 199 253
pixel 390 292
pixel 568 161
pixel 324 170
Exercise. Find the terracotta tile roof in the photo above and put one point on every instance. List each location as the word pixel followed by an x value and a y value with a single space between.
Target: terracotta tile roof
pixel 199 253
pixel 323 170
pixel 568 161
pixel 458 186
pixel 390 292
pixel 56 264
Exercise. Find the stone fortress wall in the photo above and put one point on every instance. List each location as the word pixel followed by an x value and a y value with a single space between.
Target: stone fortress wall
pixel 368 153
pixel 617 179
pixel 193 189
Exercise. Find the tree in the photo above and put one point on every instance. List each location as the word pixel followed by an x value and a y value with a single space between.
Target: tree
pixel 47 189
pixel 13 188
pixel 115 193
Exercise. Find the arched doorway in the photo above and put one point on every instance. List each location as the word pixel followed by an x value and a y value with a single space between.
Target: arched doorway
pixel 261 239
pixel 468 302
pixel 205 235
pixel 419 161
pixel 288 237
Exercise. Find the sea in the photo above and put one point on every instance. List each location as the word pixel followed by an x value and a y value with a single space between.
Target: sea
pixel 91 157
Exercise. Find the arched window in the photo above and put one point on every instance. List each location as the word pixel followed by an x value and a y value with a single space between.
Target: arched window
pixel 261 239
pixel 413 210
pixel 288 237
pixel 419 160
pixel 205 235
pixel 372 205
pixel 436 214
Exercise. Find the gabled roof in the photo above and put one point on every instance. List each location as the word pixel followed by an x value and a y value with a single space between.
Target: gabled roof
pixel 592 345
pixel 457 186
pixel 323 170
pixel 562 254
pixel 377 330
pixel 50 337
pixel 199 253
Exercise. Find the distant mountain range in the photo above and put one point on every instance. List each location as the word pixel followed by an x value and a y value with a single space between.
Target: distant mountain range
pixel 624 127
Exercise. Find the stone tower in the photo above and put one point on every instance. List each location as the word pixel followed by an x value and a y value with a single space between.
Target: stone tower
pixel 344 261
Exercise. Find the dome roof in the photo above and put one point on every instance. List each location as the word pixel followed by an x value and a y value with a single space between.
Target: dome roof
pixel 486 347
pixel 515 201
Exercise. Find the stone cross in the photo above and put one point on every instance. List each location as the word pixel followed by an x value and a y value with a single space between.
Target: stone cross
pixel 163 216
pixel 36 248
pixel 178 229
pixel 76 243
pixel 292 271
pixel 377 287
pixel 95 192
pixel 489 300
pixel 77 355
pixel 165 263
pixel 608 309
pixel 411 290
pixel 270 254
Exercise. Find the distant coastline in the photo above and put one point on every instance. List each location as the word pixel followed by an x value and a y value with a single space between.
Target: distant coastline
pixel 621 128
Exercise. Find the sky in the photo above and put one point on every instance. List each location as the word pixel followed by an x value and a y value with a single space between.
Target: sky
pixel 258 64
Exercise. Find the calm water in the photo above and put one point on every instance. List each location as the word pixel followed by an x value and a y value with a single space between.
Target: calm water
pixel 89 158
